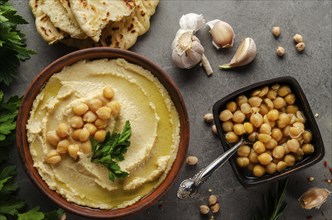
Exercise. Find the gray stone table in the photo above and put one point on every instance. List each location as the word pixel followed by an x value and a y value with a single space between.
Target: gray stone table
pixel 312 69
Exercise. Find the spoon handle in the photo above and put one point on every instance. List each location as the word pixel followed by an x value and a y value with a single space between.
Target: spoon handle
pixel 206 172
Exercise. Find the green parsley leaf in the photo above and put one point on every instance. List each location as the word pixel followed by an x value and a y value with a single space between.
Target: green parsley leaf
pixel 112 150
pixel 12 47
pixel 33 214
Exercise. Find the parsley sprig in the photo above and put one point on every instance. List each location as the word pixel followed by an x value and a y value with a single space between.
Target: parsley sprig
pixel 112 150
pixel 12 46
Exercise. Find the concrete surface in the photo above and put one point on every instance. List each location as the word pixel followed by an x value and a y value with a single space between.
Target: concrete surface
pixel 312 69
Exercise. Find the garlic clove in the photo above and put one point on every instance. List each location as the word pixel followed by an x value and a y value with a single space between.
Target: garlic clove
pixel 314 198
pixel 245 54
pixel 222 34
pixel 192 22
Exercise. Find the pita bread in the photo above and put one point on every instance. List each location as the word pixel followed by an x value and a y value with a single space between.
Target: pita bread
pixel 61 19
pixel 124 33
pixel 93 16
pixel 44 25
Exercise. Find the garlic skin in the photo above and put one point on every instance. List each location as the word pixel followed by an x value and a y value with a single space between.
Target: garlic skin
pixel 222 34
pixel 245 54
pixel 192 22
pixel 314 198
pixel 187 50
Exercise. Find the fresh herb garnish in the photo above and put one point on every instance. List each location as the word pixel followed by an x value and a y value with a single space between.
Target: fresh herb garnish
pixel 274 204
pixel 112 150
pixel 12 46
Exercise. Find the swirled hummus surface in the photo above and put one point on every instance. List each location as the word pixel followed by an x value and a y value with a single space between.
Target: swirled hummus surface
pixel 154 132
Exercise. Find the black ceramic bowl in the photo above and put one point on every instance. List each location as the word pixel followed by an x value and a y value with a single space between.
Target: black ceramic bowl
pixel 301 101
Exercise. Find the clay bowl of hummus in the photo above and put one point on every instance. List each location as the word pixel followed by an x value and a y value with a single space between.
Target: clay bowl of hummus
pixel 103 132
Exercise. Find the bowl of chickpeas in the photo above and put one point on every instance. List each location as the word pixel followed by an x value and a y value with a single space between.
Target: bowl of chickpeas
pixel 276 119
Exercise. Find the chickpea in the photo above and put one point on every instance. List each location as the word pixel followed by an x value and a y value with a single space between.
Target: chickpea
pixel 264 91
pixel 100 135
pixel 52 138
pixel 84 135
pixel 284 120
pixel 285 131
pixel 94 104
pixel 265 129
pixel 263 110
pixel 115 108
pixel 89 117
pixel 108 92
pixel 264 138
pixel 253 137
pixel 295 132
pixel 291 109
pixel 104 113
pixel 242 161
pixel 231 137
pixel 53 157
pixel 241 99
pixel 76 122
pixel 258 170
pixel 300 117
pixel 253 156
pixel 281 165
pixel 271 144
pixel 279 103
pixel 307 137
pixel 308 149
pixel 284 90
pixel 278 152
pixel 75 134
pixel 239 129
pixel 231 106
pixel 256 119
pixel 255 101
pixel 255 92
pixel 215 208
pixel 204 209
pixel 264 158
pixel 73 150
pixel 225 115
pixel 273 115
pixel 293 145
pixel 62 130
pixel 245 108
pixel 191 160
pixel 300 152
pixel 101 124
pixel 91 128
pixel 269 103
pixel 271 168
pixel 227 126
pixel 259 147
pixel 213 199
pixel 275 87
pixel 248 127
pixel 86 147
pixel 299 125
pixel 272 94
pixel 243 151
pixel 80 109
pixel 63 146
pixel 277 134
pixel 289 159
pixel 298 157
pixel 238 117
pixel 290 99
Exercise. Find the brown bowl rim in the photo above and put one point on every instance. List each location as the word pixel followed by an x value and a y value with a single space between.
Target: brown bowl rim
pixel 302 102
pixel 89 54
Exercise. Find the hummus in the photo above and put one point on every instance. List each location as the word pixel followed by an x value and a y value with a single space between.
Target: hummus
pixel 155 129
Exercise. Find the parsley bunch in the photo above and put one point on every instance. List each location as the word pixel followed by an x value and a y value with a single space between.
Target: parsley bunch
pixel 12 47
pixel 112 150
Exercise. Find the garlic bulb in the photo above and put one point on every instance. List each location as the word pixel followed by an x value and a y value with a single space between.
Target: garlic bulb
pixel 192 22
pixel 222 34
pixel 245 54
pixel 314 198
pixel 187 49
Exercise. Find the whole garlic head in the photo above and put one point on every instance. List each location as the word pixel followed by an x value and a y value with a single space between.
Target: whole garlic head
pixel 222 34
pixel 187 50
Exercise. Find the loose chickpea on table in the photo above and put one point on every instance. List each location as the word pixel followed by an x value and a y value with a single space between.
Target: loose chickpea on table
pixel 273 124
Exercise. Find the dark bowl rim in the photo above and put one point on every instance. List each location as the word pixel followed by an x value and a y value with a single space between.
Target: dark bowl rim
pixel 307 112
pixel 90 54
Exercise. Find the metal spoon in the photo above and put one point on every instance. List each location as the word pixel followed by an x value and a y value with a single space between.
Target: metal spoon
pixel 190 186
